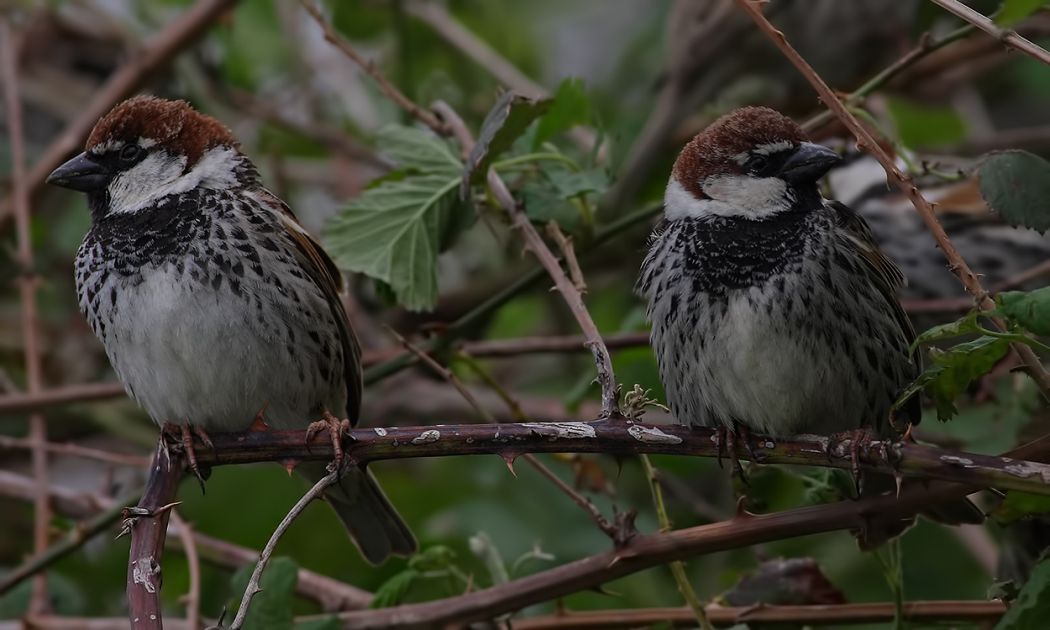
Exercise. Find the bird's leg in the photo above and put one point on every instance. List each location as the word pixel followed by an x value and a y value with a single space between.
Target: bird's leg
pixel 745 433
pixel 731 438
pixel 720 441
pixel 336 428
pixel 183 434
pixel 859 439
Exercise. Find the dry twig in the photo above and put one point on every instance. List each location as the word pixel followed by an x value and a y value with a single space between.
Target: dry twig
pixel 27 283
pixel 1007 36
pixel 264 557
pixel 189 546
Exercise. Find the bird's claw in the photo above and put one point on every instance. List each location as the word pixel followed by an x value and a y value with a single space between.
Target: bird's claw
pixel 182 434
pixel 336 429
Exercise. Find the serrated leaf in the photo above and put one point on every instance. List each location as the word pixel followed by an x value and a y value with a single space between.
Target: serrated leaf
pixel 569 184
pixel 543 204
pixel 506 122
pixel 962 326
pixel 920 125
pixel 393 591
pixel 272 606
pixel 1031 609
pixel 394 231
pixel 571 106
pixel 1018 505
pixel 952 371
pixel 1029 309
pixel 1016 185
pixel 1013 11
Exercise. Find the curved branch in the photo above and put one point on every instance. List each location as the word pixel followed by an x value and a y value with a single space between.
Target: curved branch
pixel 1007 36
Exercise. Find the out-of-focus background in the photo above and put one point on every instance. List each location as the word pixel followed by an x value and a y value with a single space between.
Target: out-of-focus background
pixel 639 77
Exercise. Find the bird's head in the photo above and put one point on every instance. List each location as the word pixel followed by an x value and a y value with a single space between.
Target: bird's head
pixel 147 148
pixel 751 163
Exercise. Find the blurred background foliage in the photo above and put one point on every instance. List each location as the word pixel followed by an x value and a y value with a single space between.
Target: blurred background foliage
pixel 640 76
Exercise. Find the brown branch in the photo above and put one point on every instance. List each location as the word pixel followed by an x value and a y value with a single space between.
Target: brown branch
pixel 586 504
pixel 564 244
pixel 189 547
pixel 64 395
pixel 27 283
pixel 834 614
pixel 148 524
pixel 371 69
pixel 903 181
pixel 535 242
pixel 157 52
pixel 330 593
pixel 1007 36
pixel 618 437
pixel 75 450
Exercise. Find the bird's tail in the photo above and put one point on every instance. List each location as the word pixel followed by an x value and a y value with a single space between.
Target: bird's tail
pixel 374 525
pixel 879 529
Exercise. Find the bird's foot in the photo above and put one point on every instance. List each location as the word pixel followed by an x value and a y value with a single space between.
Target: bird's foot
pixel 732 435
pixel 859 439
pixel 336 429
pixel 182 435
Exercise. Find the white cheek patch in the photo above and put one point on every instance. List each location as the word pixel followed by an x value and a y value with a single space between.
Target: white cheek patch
pixel 161 174
pixel 730 196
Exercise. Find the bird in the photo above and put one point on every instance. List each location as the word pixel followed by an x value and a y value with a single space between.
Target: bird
pixel 771 308
pixel 215 307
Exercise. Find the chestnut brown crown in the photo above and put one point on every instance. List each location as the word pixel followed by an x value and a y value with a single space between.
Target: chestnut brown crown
pixel 174 125
pixel 716 149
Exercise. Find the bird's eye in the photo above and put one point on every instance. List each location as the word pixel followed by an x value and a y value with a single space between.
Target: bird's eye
pixel 130 152
pixel 758 163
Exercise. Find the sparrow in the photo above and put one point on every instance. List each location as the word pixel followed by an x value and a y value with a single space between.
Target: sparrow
pixel 215 307
pixel 771 308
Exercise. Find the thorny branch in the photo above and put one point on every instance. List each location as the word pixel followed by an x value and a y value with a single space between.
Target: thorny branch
pixel 903 181
pixel 27 285
pixel 264 557
pixel 157 52
pixel 571 294
pixel 1007 36
pixel 618 437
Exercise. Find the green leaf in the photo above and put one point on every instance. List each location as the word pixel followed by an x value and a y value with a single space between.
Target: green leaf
pixel 1032 607
pixel 506 122
pixel 1029 309
pixel 542 204
pixel 926 125
pixel 394 231
pixel 434 558
pixel 271 607
pixel 1016 185
pixel 481 545
pixel 953 370
pixel 1013 11
pixel 1018 505
pixel 393 591
pixel 959 327
pixel 571 107
pixel 569 184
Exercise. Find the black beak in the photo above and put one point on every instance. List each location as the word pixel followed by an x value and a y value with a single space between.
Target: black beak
pixel 81 173
pixel 808 163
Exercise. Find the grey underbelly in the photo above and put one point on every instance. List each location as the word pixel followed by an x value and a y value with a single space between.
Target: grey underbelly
pixel 189 354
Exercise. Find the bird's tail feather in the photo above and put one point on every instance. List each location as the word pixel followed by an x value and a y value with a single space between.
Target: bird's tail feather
pixel 374 525
pixel 879 529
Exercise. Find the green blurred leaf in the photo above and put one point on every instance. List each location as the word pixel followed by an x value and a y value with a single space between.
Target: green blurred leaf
pixel 1018 505
pixel 571 107
pixel 328 623
pixel 481 545
pixel 271 607
pixel 395 231
pixel 506 122
pixel 1016 185
pixel 920 125
pixel 569 184
pixel 1013 11
pixel 1032 607
pixel 952 371
pixel 433 558
pixel 1029 309
pixel 393 591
